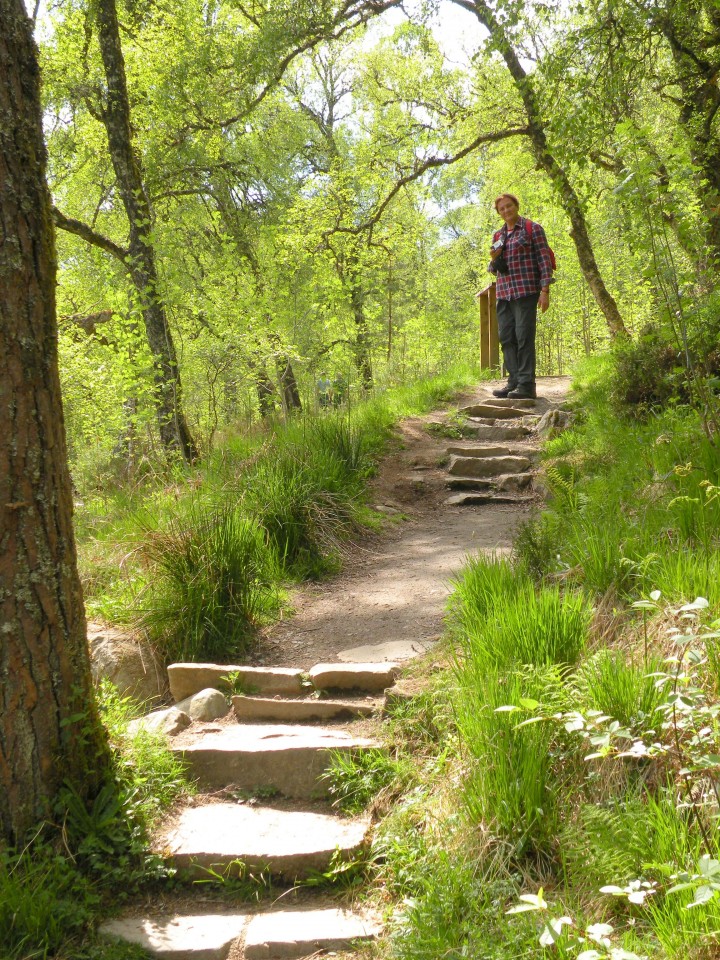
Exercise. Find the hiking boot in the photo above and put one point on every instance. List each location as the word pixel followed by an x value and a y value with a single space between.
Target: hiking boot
pixel 502 392
pixel 522 393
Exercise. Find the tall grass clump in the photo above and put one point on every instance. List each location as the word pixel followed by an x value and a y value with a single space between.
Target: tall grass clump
pixel 500 618
pixel 214 581
pixel 509 785
pixel 623 689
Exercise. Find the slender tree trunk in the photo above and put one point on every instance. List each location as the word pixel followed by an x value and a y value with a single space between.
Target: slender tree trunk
pixel 289 384
pixel 174 431
pixel 45 682
pixel 362 338
pixel 548 162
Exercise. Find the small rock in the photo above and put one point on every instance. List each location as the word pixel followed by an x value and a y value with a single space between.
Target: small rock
pixel 553 422
pixel 127 661
pixel 170 722
pixel 208 704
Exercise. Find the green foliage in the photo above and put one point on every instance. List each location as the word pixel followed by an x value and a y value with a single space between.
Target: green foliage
pixel 502 619
pixel 624 689
pixel 357 779
pixel 649 373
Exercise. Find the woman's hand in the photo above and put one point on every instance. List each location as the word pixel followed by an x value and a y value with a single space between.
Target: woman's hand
pixel 544 301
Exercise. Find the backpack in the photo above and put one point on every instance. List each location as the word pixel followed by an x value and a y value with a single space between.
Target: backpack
pixel 528 227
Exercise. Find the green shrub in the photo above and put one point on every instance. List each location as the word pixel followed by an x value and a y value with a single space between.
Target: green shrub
pixel 538 626
pixel 301 502
pixel 648 373
pixel 213 582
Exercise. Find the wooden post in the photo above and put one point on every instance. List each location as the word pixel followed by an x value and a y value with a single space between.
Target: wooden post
pixel 489 344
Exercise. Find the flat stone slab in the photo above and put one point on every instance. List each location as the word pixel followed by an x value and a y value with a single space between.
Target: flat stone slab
pixel 267 708
pixel 494 412
pixel 390 651
pixel 485 432
pixel 187 679
pixel 510 402
pixel 197 937
pixel 289 934
pixel 371 677
pixel 490 467
pixel 485 451
pixel 288 844
pixel 481 499
pixel 507 483
pixel 288 759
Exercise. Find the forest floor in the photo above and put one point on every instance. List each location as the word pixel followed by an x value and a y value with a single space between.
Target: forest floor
pixel 389 600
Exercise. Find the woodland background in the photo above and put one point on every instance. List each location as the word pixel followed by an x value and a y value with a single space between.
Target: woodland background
pixel 251 198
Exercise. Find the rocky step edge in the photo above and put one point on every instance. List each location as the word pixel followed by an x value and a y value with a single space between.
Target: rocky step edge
pixel 493 466
pixel 229 839
pixel 504 483
pixel 498 409
pixel 471 499
pixel 482 451
pixel 187 679
pixel 279 934
pixel 287 759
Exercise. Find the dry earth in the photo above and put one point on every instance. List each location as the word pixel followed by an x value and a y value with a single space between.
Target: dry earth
pixel 394 586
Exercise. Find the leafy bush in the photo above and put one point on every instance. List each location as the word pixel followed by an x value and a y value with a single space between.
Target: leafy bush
pixel 649 372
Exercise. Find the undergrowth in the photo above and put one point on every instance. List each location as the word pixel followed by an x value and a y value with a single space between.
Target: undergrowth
pixel 573 812
pixel 86 860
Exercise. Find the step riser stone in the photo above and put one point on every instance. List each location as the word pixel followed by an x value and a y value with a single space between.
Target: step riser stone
pixel 492 467
pixel 187 679
pixel 289 711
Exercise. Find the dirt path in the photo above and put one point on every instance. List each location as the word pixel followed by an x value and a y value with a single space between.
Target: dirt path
pixel 394 588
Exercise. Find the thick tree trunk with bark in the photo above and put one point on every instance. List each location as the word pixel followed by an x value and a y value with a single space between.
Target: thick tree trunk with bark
pixel 49 731
pixel 548 162
pixel 174 430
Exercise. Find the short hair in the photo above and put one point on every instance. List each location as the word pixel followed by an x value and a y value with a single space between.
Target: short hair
pixel 507 196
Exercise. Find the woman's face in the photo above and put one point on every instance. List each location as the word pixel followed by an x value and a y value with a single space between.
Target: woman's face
pixel 507 210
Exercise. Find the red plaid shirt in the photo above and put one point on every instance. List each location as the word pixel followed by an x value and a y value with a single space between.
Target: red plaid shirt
pixel 528 258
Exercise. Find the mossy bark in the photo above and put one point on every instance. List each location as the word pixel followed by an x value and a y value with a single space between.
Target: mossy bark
pixel 49 731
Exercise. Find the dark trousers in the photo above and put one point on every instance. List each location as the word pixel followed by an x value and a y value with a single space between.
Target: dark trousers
pixel 517 320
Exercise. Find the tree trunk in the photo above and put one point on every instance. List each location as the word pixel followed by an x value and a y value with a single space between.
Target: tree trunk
pixel 362 339
pixel 290 389
pixel 547 161
pixel 49 731
pixel 174 431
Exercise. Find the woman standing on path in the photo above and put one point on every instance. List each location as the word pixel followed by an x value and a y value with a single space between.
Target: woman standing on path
pixel 522 263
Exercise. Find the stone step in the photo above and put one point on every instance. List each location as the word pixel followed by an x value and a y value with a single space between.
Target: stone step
pixel 208 936
pixel 228 838
pixel 255 757
pixel 481 499
pixel 496 411
pixel 483 451
pixel 187 679
pixel 508 402
pixel 490 467
pixel 275 935
pixel 506 483
pixel 370 677
pixel 293 710
pixel 290 934
pixel 486 431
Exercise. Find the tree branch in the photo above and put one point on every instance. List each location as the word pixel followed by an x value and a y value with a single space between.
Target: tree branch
pixel 89 235
pixel 431 163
